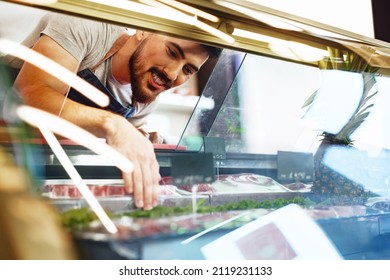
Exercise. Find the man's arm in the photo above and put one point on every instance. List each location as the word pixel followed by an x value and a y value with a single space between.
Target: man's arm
pixel 39 89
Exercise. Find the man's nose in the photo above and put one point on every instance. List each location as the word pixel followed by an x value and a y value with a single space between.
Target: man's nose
pixel 172 71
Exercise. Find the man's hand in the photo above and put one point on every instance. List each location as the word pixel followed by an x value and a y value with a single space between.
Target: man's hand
pixel 144 180
pixel 155 137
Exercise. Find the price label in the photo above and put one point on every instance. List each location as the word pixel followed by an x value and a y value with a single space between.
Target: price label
pixel 295 166
pixel 216 146
pixel 190 169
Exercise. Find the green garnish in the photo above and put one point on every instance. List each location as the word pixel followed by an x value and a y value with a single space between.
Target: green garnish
pixel 80 218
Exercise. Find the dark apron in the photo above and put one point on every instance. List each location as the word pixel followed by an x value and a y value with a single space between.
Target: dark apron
pixel 114 105
pixel 89 76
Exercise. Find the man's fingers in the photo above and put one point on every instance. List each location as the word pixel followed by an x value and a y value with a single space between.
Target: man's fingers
pixel 128 182
pixel 148 188
pixel 138 187
pixel 143 183
pixel 155 184
pixel 155 190
pixel 145 176
pixel 151 178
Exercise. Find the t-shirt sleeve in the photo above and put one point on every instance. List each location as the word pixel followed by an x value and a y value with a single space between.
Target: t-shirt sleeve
pixel 77 36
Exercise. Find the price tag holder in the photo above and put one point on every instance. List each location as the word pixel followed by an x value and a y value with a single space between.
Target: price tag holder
pixel 190 169
pixel 295 166
pixel 216 146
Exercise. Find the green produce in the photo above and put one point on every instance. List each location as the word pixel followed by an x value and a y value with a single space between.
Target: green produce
pixel 80 218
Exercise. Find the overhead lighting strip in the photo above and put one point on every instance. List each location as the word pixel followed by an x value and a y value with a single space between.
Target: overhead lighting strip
pixel 155 8
pixel 39 2
pixel 190 9
pixel 289 49
pixel 259 16
pixel 147 10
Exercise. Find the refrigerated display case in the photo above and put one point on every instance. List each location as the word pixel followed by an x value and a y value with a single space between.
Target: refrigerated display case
pixel 298 115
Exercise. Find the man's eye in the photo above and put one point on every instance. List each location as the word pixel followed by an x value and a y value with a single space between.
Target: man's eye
pixel 188 70
pixel 172 53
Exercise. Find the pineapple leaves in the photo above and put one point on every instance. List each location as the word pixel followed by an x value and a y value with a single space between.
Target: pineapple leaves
pixel 346 60
pixel 310 100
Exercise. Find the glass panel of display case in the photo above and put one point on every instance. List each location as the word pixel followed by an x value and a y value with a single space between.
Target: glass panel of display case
pixel 261 112
pixel 335 112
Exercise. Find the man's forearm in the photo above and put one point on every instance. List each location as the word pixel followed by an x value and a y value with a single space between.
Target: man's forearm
pixel 91 119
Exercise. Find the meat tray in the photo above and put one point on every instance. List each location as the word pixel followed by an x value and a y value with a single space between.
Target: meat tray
pixel 227 188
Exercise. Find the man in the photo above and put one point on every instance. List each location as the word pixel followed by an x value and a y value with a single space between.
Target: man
pixel 131 68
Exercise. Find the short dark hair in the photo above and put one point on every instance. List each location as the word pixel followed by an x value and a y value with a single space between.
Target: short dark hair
pixel 213 52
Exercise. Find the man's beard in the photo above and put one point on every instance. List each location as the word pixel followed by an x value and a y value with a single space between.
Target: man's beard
pixel 140 95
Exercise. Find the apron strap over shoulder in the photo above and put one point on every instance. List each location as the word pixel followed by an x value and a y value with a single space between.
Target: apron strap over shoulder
pixel 115 47
pixel 89 76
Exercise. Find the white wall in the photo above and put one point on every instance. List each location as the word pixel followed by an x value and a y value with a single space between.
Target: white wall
pixel 280 90
pixel 352 15
pixel 16 21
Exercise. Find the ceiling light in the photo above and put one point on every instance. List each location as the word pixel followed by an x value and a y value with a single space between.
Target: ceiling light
pixel 288 49
pixel 191 10
pixel 259 16
pixel 39 2
pixel 256 36
pixel 147 10
pixel 155 9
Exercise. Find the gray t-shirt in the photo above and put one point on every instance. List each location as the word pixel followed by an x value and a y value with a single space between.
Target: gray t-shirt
pixel 88 41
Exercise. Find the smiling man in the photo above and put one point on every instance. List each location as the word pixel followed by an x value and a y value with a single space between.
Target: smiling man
pixel 131 67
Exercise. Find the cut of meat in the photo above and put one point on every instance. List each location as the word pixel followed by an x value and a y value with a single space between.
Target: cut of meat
pixel 199 188
pixel 225 184
pixel 115 190
pixel 99 191
pixel 235 183
pixel 104 190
